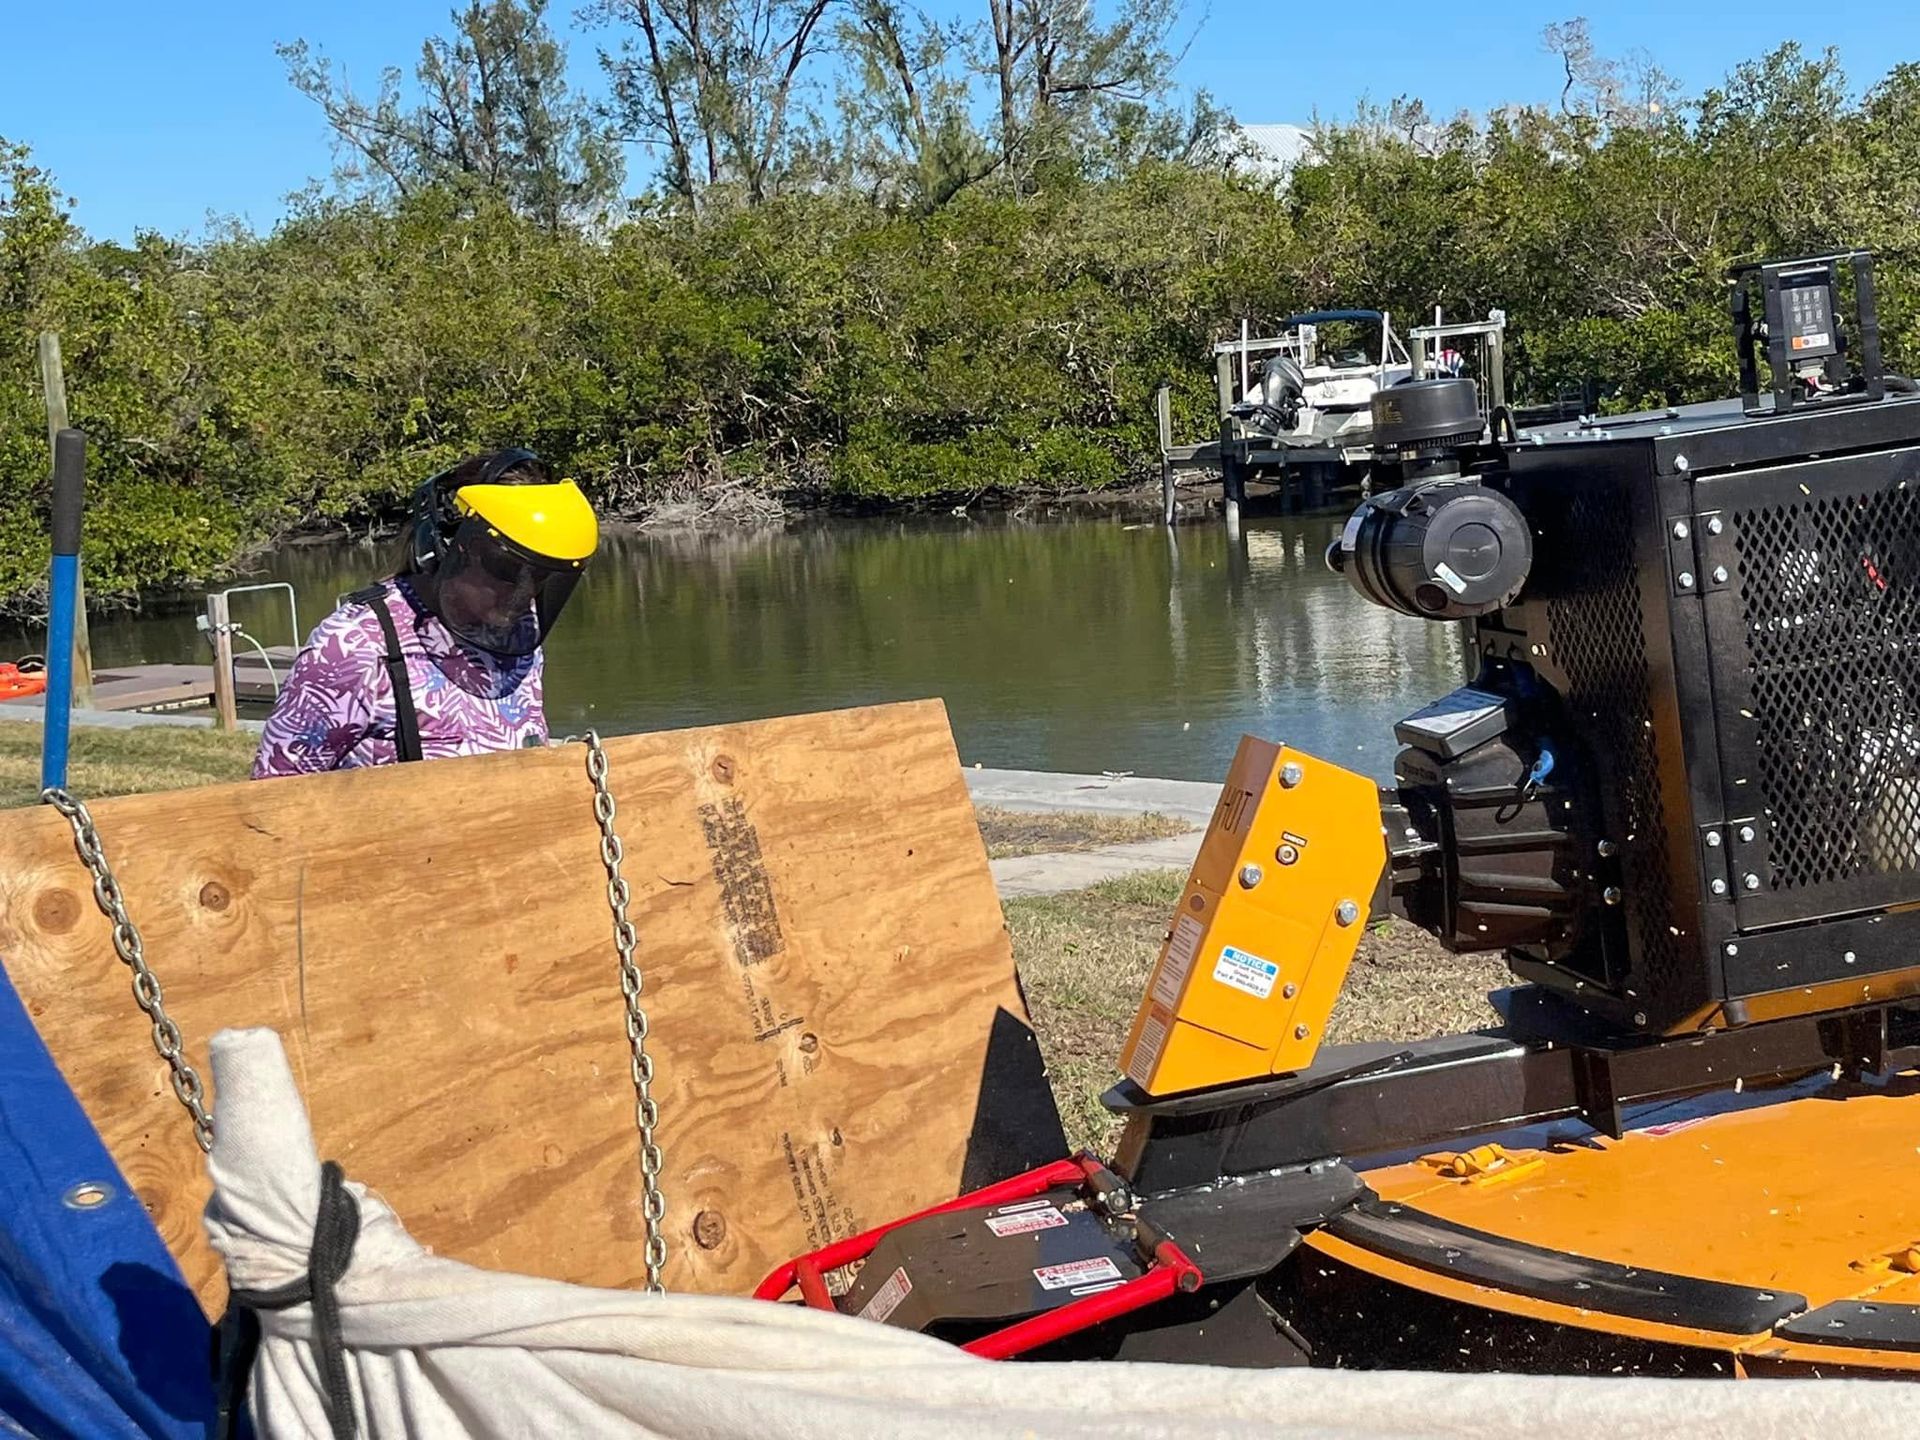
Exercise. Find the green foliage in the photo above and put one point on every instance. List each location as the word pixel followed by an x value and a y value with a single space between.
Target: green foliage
pixel 941 341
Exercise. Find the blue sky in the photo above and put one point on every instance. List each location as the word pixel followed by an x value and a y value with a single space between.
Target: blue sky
pixel 155 115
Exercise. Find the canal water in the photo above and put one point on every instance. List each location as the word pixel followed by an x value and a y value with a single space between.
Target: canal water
pixel 1088 645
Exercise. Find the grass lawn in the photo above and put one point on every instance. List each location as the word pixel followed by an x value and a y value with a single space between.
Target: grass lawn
pixel 1016 832
pixel 1083 957
pixel 124 762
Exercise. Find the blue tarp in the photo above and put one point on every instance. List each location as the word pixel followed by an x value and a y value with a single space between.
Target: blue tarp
pixel 99 1334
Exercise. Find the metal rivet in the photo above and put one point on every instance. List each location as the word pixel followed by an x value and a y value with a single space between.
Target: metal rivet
pixel 1286 854
pixel 1611 894
pixel 1287 992
pixel 1346 912
pixel 1680 531
pixel 1719 574
pixel 1746 834
pixel 1713 839
pixel 88 1195
pixel 1849 957
pixel 1717 886
pixel 1731 949
pixel 1681 463
pixel 1750 880
pixel 1607 848
pixel 1686 579
pixel 1300 1032
pixel 1250 876
pixel 1714 527
pixel 1291 774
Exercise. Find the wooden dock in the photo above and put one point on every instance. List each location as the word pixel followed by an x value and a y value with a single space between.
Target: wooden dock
pixel 155 688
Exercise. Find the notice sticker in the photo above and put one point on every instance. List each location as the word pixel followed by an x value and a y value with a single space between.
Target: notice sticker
pixel 1026 1222
pixel 1244 972
pixel 1172 973
pixel 1076 1272
pixel 887 1298
pixel 1153 1037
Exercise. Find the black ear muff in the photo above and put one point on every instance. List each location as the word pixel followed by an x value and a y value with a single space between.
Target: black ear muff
pixel 428 522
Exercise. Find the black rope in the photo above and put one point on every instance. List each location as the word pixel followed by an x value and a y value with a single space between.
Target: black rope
pixel 335 1229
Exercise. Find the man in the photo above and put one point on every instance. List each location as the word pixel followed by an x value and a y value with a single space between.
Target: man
pixel 444 657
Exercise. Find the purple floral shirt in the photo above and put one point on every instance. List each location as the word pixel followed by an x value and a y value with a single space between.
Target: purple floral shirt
pixel 336 710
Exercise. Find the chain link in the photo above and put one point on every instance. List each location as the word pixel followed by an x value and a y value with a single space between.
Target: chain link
pixel 127 945
pixel 646 1112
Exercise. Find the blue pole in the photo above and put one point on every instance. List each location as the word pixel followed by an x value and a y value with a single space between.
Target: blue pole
pixel 69 487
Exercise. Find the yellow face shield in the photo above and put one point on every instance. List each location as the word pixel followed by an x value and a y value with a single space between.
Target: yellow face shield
pixel 550 524
pixel 512 563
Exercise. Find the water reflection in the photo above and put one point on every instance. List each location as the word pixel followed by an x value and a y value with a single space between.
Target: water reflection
pixel 1087 646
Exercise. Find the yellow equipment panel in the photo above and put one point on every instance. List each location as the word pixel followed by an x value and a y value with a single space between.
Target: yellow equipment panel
pixel 1267 925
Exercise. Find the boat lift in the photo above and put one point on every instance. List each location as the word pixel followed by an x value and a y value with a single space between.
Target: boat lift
pixel 1327 447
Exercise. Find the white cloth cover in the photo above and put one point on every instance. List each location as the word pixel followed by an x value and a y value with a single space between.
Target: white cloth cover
pixel 440 1349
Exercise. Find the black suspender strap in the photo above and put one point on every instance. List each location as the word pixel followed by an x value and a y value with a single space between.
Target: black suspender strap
pixel 406 724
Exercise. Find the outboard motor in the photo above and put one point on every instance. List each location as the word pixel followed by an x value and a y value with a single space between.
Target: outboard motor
pixel 1282 390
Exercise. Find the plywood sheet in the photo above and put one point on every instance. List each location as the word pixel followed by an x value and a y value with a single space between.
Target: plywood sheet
pixel 837 1028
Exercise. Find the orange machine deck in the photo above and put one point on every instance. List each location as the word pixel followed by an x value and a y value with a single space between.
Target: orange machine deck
pixel 1784 1193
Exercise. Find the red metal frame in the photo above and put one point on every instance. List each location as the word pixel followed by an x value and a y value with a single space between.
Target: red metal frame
pixel 1170 1271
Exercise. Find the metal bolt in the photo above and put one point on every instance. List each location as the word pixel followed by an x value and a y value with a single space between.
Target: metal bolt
pixel 1680 530
pixel 1291 774
pixel 1639 1017
pixel 1607 848
pixel 1849 957
pixel 1732 949
pixel 1286 854
pixel 1611 894
pixel 1750 880
pixel 1717 886
pixel 1250 876
pixel 1719 574
pixel 1713 839
pixel 1746 834
pixel 1346 912
pixel 1300 1032
pixel 1682 464
pixel 1287 992
pixel 1714 527
pixel 1686 579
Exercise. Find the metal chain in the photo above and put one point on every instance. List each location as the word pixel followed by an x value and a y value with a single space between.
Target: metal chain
pixel 127 945
pixel 646 1112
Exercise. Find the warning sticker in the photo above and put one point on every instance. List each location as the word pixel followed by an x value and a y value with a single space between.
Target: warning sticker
pixel 1076 1272
pixel 1249 973
pixel 1172 973
pixel 887 1298
pixel 1026 1222
pixel 1153 1038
